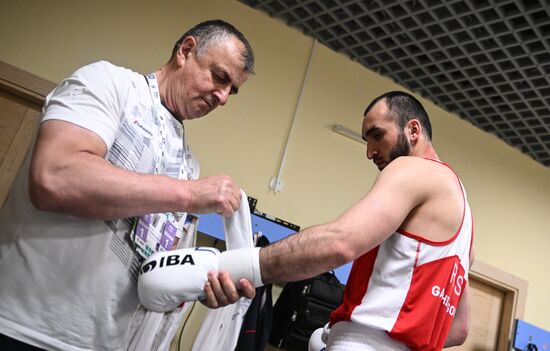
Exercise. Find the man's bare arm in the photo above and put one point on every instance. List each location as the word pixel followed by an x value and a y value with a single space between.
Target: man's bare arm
pixel 461 322
pixel 70 175
pixel 376 216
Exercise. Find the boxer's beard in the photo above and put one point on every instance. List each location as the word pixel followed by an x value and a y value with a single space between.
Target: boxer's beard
pixel 402 148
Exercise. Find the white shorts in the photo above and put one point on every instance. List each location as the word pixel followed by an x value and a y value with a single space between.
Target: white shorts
pixel 345 336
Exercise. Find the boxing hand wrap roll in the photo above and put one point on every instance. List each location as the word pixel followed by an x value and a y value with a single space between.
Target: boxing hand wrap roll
pixel 242 263
pixel 326 332
pixel 168 278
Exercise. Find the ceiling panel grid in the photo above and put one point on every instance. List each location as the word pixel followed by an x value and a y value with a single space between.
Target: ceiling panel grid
pixel 486 61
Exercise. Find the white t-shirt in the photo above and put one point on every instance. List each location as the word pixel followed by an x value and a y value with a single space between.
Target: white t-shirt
pixel 69 283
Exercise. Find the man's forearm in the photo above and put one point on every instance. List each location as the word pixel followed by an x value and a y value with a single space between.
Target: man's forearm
pixel 461 322
pixel 313 251
pixel 94 188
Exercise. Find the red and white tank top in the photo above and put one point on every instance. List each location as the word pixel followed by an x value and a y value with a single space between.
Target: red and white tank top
pixel 410 286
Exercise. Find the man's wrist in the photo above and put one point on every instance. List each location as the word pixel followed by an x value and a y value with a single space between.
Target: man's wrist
pixel 184 195
pixel 242 263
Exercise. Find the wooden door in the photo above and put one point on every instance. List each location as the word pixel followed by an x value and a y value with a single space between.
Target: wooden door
pixel 18 124
pixel 21 97
pixel 486 312
pixel 497 299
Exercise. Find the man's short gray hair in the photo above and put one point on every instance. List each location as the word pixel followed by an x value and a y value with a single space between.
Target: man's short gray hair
pixel 214 32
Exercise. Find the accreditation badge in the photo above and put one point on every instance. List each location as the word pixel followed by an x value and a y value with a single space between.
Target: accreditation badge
pixel 159 231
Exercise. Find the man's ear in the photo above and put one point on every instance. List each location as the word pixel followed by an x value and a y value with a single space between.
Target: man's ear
pixel 415 128
pixel 186 47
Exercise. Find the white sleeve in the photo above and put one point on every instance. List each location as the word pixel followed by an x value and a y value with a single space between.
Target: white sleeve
pixel 92 98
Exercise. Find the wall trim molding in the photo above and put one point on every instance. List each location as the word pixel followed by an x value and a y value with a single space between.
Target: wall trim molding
pixel 24 84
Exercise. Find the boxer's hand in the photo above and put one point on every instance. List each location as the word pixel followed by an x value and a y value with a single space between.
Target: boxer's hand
pixel 221 290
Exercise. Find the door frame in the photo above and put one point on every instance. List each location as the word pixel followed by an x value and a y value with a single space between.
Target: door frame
pixel 24 84
pixel 514 290
pixel 28 90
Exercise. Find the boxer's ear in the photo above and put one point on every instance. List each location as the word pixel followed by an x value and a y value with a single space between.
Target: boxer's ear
pixel 413 129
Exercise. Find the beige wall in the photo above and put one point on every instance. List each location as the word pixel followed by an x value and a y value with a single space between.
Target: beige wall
pixel 324 173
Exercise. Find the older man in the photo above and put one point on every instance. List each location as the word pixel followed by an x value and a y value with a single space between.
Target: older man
pixel 111 157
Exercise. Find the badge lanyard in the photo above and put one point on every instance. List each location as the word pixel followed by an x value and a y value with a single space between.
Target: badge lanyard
pixel 158 231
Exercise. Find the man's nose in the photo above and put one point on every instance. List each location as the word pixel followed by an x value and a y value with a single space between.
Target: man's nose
pixel 370 152
pixel 222 94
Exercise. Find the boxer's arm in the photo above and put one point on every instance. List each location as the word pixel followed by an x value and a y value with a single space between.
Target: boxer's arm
pixel 381 212
pixel 374 218
pixel 461 321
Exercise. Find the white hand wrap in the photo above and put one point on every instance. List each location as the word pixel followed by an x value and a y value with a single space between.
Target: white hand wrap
pixel 242 263
pixel 168 278
pixel 326 332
